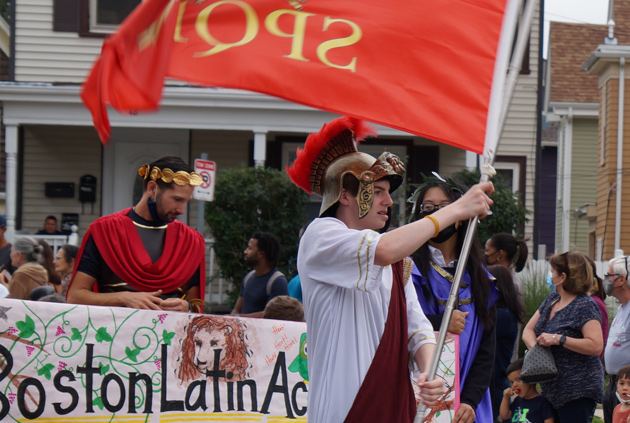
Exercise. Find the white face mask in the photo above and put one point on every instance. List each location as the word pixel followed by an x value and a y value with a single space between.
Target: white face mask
pixel 621 400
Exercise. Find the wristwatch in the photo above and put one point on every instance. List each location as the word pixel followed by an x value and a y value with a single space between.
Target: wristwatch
pixel 563 339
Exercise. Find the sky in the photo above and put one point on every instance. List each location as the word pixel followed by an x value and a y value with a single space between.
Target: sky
pixel 576 11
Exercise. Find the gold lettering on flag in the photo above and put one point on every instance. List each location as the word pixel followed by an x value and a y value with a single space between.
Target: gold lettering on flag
pixel 148 37
pixel 217 43
pixel 299 28
pixel 201 25
pixel 177 36
pixel 326 46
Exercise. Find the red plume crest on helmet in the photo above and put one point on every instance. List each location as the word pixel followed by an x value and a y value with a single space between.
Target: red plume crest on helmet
pixel 336 138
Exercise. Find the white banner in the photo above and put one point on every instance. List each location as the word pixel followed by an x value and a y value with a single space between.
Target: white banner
pixel 61 362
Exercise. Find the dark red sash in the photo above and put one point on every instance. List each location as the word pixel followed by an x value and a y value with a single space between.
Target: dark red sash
pixel 386 394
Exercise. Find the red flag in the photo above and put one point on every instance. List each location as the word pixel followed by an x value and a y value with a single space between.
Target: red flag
pixel 424 67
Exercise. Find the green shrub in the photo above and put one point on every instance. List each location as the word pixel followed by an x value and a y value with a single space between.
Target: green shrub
pixel 247 200
pixel 508 212
pixel 535 290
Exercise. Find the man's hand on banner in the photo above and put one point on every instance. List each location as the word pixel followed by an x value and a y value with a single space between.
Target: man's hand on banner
pixel 174 304
pixel 143 300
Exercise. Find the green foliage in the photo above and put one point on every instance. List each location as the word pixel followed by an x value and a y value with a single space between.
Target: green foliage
pixel 167 337
pixel 247 200
pixel 5 5
pixel 102 335
pixel 45 370
pixel 26 327
pixel 535 290
pixel 508 212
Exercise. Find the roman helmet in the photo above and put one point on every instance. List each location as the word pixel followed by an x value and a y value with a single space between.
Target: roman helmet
pixel 331 154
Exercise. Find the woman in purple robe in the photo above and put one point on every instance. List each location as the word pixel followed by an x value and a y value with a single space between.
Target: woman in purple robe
pixel 475 313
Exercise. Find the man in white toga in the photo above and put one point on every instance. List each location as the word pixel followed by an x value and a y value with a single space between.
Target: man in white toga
pixel 365 327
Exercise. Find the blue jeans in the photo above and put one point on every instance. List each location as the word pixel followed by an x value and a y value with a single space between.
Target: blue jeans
pixel 580 410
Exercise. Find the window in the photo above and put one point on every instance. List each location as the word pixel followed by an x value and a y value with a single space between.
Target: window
pixel 91 17
pixel 106 15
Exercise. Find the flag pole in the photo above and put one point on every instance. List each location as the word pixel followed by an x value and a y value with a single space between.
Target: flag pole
pixel 500 98
pixel 517 59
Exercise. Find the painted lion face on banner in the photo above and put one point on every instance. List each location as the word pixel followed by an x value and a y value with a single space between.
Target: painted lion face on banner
pixel 205 335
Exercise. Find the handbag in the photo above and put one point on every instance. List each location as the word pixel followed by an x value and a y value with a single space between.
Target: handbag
pixel 538 365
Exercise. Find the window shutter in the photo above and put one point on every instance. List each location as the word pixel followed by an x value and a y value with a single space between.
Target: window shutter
pixel 66 15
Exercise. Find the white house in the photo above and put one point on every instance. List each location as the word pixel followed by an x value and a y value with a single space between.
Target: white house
pixel 49 136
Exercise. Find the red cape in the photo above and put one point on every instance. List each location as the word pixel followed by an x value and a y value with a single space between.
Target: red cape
pixel 119 243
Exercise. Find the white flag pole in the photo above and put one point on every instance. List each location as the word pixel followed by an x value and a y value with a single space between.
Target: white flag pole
pixel 500 97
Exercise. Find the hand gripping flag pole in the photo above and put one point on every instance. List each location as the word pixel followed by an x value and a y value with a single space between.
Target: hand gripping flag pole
pixel 502 92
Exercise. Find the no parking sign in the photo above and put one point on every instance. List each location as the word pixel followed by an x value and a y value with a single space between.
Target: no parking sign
pixel 205 169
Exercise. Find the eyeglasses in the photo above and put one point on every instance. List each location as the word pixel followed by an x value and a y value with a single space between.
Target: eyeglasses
pixel 430 207
pixel 608 275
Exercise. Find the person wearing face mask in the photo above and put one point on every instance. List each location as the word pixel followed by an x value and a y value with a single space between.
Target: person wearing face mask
pixel 506 250
pixel 569 323
pixel 474 318
pixel 142 257
pixel 621 414
pixel 617 351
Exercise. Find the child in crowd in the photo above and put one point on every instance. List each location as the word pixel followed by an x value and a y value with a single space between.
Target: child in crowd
pixel 622 411
pixel 284 307
pixel 529 406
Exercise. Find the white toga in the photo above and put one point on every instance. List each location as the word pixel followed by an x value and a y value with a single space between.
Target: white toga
pixel 346 301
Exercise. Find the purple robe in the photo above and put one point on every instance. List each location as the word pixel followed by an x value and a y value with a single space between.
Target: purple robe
pixel 469 340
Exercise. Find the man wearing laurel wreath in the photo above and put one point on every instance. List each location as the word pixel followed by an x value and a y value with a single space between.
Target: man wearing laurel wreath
pixel 142 257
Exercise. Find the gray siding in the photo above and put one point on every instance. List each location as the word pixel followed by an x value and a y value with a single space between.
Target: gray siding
pixel 58 154
pixel 42 55
pixel 583 178
pixel 519 135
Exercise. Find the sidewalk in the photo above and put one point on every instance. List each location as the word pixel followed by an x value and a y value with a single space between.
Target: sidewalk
pixel 599 411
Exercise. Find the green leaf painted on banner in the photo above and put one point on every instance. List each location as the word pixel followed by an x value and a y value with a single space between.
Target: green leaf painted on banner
pixel 132 354
pixel 167 336
pixel 104 368
pixel 26 327
pixel 98 401
pixel 437 414
pixel 76 335
pixel 102 335
pixel 45 370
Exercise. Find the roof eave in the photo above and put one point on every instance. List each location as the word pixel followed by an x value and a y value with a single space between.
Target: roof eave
pixel 603 55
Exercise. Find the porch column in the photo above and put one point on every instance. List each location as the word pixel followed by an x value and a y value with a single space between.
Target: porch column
pixel 11 147
pixel 567 150
pixel 472 161
pixel 260 148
